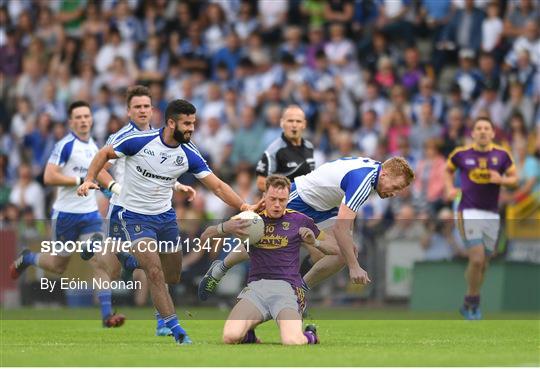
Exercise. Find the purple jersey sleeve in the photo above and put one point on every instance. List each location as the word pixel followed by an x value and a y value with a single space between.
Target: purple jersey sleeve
pixel 454 159
pixel 309 223
pixel 507 162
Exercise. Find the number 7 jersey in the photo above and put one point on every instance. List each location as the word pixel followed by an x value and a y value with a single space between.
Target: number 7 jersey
pixel 152 168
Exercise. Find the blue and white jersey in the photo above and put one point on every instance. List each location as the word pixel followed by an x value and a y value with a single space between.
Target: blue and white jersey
pixel 118 165
pixel 347 180
pixel 152 168
pixel 74 156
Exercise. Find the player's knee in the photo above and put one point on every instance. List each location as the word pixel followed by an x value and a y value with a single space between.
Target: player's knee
pixel 477 261
pixel 232 336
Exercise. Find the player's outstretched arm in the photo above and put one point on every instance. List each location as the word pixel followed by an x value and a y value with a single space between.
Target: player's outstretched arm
pixel 105 154
pixel 226 193
pixel 342 231
pixel 237 227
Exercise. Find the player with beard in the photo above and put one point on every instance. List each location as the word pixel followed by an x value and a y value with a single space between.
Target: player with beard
pixel 144 215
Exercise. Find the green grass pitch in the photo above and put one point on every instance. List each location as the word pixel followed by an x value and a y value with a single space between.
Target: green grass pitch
pixel 358 338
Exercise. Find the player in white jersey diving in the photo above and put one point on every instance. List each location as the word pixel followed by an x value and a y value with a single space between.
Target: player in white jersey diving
pixel 139 112
pixel 74 218
pixel 331 195
pixel 144 215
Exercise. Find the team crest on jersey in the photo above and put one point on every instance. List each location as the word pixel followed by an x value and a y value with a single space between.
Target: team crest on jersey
pixel 494 160
pixel 179 160
pixel 482 163
pixel 285 225
pixel 115 228
pixel 138 228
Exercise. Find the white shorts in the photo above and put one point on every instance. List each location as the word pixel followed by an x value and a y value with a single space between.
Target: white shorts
pixel 479 227
pixel 272 296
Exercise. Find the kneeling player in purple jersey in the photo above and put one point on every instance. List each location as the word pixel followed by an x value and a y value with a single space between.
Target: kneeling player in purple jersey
pixel 274 288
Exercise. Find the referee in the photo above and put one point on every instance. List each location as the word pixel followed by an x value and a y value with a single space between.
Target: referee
pixel 289 155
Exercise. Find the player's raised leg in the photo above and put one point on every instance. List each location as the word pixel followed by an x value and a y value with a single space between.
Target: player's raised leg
pixel 51 263
pixel 239 326
pixel 217 271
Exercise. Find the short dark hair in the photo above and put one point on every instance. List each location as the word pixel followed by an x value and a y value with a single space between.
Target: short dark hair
pixel 77 104
pixel 138 90
pixel 277 181
pixel 177 107
pixel 483 118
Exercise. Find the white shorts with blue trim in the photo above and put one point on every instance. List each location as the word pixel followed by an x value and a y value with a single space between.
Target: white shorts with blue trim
pixel 323 219
pixel 479 227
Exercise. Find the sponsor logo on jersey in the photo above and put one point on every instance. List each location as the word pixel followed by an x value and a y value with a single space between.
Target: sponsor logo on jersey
pixel 470 162
pixel 479 175
pixel 292 164
pixel 148 174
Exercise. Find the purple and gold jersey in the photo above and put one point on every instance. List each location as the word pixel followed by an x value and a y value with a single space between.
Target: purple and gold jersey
pixel 474 166
pixel 277 254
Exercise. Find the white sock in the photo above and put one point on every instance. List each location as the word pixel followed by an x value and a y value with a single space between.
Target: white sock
pixel 219 270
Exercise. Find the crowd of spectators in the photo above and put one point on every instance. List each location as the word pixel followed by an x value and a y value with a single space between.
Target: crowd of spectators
pixel 375 77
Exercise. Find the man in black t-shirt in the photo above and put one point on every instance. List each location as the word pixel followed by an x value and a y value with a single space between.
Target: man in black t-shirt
pixel 289 155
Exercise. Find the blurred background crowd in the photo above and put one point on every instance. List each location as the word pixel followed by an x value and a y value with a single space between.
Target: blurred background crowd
pixel 375 78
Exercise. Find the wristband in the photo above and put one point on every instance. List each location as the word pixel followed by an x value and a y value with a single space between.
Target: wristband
pixel 220 231
pixel 317 244
pixel 79 181
pixel 115 187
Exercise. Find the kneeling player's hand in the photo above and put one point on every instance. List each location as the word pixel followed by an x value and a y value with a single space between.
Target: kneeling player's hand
pixel 188 190
pixel 359 276
pixel 85 187
pixel 238 227
pixel 307 235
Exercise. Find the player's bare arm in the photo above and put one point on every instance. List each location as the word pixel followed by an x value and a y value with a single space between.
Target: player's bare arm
pixel 232 226
pixel 105 154
pixel 342 230
pixel 509 179
pixel 227 194
pixel 451 190
pixel 309 240
pixel 53 176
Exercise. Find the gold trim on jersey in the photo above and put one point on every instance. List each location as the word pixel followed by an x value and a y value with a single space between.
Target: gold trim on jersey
pixel 457 150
